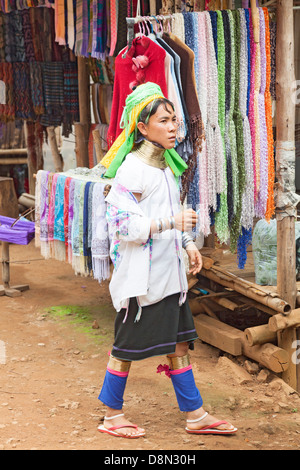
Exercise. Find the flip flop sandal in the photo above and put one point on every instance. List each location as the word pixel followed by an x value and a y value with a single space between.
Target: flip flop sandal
pixel 211 429
pixel 112 429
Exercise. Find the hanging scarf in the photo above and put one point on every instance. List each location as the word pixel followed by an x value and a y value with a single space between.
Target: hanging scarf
pixel 59 229
pixel 53 83
pixel 7 110
pixel 60 33
pixel 248 195
pixel 100 240
pixel 252 104
pixel 77 227
pixel 27 34
pixel 66 214
pixel 85 237
pixel 236 131
pixel 21 77
pixel 261 202
pixel 178 26
pixel 135 103
pixel 230 142
pixel 79 27
pixel 204 219
pixel 51 215
pixel 221 216
pixel 70 219
pixel 37 212
pixel 36 86
pixel 71 98
pixel 44 210
pixel 215 149
pixel 114 25
pixel 101 29
pixel 70 24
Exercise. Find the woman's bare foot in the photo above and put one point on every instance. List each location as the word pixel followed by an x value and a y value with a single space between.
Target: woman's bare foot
pixel 198 420
pixel 117 424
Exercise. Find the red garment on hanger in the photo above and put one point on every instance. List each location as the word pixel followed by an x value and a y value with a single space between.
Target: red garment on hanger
pixel 127 74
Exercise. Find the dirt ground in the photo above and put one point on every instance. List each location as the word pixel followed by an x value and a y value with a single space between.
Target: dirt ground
pixel 53 360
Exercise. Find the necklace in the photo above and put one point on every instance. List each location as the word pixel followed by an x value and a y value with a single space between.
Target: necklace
pixel 151 154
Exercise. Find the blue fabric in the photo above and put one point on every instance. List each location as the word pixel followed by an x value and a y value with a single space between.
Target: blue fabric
pixel 187 394
pixel 59 228
pixel 113 390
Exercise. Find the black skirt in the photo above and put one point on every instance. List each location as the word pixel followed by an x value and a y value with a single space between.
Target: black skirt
pixel 162 325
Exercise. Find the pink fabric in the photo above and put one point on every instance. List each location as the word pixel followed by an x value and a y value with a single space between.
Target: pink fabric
pixel 119 374
pixel 180 371
pixel 166 369
pixel 253 46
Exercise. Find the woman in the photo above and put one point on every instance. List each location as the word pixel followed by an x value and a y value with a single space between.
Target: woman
pixel 149 285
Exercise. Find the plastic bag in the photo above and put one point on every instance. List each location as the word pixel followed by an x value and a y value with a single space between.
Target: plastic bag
pixel 264 248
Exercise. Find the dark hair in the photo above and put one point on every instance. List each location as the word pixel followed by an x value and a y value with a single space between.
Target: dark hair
pixel 152 107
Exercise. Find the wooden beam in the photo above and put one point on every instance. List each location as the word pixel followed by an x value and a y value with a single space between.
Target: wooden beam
pixel 83 127
pixel 255 21
pixel 285 174
pixel 259 335
pixel 281 322
pixel 56 155
pixel 218 334
pixel 233 341
pixel 153 7
pixel 13 161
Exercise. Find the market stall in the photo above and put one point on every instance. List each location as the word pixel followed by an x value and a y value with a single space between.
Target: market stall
pixel 217 61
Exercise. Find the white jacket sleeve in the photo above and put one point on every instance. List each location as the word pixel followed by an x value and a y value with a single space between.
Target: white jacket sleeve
pixel 127 226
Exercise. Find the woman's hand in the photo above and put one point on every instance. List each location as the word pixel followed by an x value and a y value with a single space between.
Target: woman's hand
pixel 195 258
pixel 185 220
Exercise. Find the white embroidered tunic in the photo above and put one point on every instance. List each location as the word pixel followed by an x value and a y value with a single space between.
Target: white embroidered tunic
pixel 149 269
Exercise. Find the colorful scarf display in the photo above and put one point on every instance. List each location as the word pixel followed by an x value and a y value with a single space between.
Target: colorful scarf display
pixel 225 95
pixel 241 81
pixel 34 67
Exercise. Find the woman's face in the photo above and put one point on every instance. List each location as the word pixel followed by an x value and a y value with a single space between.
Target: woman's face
pixel 161 127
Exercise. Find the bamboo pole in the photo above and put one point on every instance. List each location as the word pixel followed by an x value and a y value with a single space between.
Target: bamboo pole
pixel 246 288
pixel 285 173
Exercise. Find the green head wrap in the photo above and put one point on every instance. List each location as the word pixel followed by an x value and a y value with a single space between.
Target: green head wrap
pixel 135 103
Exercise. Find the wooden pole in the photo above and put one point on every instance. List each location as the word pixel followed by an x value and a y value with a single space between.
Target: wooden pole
pixel 245 288
pixel 281 322
pixel 285 173
pixel 255 21
pixel 5 265
pixel 260 335
pixel 56 155
pixel 83 127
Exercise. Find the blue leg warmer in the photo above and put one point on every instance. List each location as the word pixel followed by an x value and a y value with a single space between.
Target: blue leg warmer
pixel 187 394
pixel 113 390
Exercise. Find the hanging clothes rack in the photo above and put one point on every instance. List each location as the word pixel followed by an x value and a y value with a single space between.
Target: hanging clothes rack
pixel 131 22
